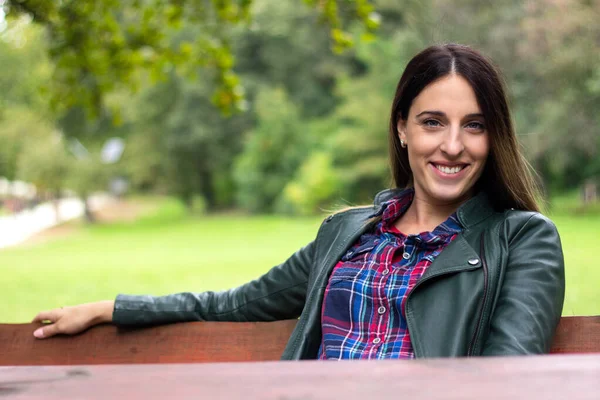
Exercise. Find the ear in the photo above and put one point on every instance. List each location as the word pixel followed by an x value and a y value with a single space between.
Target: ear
pixel 401 127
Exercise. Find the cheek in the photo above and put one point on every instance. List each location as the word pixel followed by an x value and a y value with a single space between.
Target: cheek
pixel 480 148
pixel 421 144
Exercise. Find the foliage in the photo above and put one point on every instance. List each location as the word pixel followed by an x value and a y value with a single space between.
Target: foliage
pixel 272 153
pixel 314 186
pixel 16 123
pixel 44 163
pixel 179 142
pixel 23 113
pixel 32 145
pixel 286 47
pixel 99 46
pixel 311 131
pixel 87 175
pixel 353 140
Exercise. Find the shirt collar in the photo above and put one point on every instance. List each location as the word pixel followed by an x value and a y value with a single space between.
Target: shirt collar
pixel 470 213
pixel 395 207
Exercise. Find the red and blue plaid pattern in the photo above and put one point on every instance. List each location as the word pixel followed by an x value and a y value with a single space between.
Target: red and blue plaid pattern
pixel 363 308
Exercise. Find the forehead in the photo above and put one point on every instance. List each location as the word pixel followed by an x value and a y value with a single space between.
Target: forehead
pixel 451 94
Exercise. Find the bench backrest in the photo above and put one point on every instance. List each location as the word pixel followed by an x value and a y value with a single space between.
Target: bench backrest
pixel 204 342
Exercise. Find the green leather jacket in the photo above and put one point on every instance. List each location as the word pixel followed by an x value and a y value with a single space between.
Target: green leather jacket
pixel 497 289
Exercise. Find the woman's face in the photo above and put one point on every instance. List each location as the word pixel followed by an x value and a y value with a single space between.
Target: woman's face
pixel 447 141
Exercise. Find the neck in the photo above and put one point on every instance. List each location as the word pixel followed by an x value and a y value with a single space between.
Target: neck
pixel 424 216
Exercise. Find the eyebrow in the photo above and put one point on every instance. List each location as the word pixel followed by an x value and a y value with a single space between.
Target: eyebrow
pixel 442 114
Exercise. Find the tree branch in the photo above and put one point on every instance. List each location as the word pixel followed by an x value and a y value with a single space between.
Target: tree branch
pixel 25 7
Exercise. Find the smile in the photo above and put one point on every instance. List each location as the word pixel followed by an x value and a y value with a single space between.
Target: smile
pixel 450 170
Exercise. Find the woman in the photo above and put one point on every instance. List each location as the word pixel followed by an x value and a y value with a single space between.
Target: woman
pixel 458 262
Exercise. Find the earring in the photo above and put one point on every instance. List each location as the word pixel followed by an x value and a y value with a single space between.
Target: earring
pixel 402 143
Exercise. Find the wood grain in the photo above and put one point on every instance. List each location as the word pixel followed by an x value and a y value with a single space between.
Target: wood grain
pixel 190 342
pixel 574 377
pixel 196 342
pixel 577 335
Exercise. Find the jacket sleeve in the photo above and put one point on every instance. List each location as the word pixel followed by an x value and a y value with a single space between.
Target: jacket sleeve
pixel 530 300
pixel 279 294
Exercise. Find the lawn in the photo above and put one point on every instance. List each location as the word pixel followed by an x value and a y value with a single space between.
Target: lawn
pixel 157 254
pixel 580 237
pixel 168 252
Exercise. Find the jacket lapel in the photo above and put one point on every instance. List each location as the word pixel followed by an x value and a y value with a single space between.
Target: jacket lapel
pixel 344 232
pixel 460 255
pixel 456 257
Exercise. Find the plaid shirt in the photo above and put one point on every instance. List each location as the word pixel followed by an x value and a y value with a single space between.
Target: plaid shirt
pixel 363 314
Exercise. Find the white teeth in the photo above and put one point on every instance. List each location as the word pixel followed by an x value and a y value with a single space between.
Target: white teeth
pixel 449 170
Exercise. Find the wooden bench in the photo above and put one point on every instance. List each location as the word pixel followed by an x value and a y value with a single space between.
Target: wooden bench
pixel 197 342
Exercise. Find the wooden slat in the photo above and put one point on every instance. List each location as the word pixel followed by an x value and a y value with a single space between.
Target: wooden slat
pixel 577 335
pixel 176 343
pixel 573 377
pixel 196 342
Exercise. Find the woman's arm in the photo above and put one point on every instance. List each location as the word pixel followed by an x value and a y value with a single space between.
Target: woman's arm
pixel 531 298
pixel 279 294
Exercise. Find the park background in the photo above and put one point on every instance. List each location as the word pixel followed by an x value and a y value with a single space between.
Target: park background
pixel 225 130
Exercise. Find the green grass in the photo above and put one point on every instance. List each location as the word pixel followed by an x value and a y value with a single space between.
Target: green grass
pixel 169 252
pixel 579 230
pixel 163 253
pixel 580 240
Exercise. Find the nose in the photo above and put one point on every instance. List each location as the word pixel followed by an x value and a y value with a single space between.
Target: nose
pixel 452 144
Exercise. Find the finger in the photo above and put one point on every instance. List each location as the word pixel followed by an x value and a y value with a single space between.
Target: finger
pixel 46 331
pixel 51 316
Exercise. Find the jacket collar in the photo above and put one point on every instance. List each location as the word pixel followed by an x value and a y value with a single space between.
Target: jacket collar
pixel 470 213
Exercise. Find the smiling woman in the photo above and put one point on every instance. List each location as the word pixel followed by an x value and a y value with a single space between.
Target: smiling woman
pixel 447 143
pixel 454 261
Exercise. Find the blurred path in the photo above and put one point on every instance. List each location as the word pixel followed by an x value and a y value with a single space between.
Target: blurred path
pixel 16 228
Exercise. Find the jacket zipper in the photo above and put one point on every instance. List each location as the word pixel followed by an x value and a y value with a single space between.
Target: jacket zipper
pixel 435 275
pixel 302 321
pixel 484 297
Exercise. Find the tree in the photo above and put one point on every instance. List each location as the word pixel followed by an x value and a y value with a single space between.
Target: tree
pixel 179 141
pixel 272 152
pixel 352 142
pixel 99 46
pixel 23 111
pixel 43 162
pixel 86 176
pixel 314 186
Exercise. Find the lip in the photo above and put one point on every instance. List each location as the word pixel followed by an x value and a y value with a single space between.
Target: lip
pixel 444 175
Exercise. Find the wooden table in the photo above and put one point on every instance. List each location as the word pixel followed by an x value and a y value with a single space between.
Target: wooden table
pixel 570 377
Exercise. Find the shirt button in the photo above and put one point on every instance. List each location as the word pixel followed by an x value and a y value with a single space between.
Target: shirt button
pixel 406 256
pixel 381 310
pixel 385 272
pixel 376 340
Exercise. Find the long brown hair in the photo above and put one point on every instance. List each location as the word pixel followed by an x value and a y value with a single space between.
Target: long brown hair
pixel 507 177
